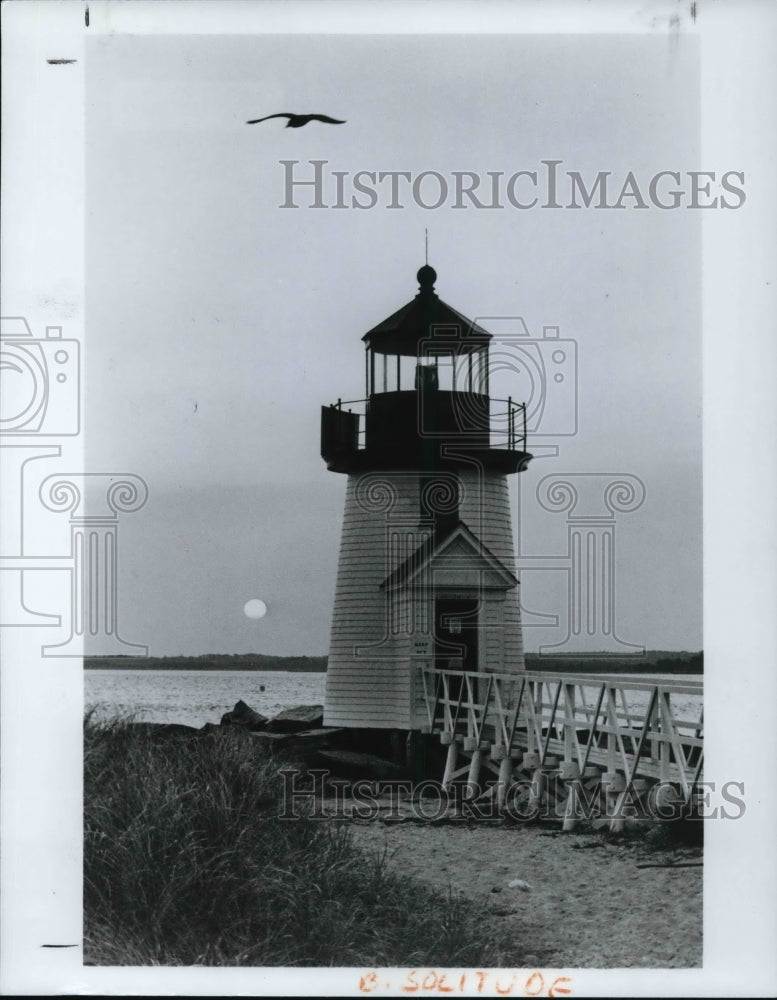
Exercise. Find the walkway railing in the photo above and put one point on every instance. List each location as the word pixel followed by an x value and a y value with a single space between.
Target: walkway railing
pixel 626 731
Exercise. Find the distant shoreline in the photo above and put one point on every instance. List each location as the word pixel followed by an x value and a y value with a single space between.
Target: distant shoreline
pixel 654 661
pixel 210 661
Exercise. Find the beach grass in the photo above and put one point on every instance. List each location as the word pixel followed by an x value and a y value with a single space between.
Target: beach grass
pixel 187 862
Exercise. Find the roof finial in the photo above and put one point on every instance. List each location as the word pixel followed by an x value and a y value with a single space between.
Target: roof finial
pixel 426 279
pixel 427 274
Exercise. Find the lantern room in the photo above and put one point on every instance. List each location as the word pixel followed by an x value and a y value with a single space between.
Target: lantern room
pixel 426 379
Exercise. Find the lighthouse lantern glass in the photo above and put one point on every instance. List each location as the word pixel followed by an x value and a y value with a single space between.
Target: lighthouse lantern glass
pixel 458 370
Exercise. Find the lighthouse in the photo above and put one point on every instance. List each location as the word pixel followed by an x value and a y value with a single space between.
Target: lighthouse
pixel 426 575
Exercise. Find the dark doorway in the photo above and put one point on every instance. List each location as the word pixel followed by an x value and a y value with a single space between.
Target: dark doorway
pixel 456 633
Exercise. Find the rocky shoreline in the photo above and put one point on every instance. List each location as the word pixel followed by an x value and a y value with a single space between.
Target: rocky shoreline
pixel 298 734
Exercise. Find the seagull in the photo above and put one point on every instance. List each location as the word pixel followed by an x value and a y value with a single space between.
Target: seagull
pixel 297 121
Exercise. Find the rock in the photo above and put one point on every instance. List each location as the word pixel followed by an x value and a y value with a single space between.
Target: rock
pixel 305 743
pixel 245 716
pixel 314 739
pixel 295 720
pixel 359 765
pixel 271 741
pixel 519 883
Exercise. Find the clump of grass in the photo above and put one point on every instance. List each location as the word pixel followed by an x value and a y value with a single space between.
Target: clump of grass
pixel 187 862
pixel 682 832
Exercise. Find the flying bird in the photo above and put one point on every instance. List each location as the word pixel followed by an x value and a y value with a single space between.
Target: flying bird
pixel 297 121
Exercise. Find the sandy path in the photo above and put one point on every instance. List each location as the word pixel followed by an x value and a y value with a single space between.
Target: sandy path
pixel 589 905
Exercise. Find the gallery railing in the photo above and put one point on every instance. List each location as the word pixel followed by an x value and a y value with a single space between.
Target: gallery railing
pixel 506 422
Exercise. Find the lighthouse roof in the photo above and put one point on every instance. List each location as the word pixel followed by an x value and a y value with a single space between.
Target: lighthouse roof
pixel 424 318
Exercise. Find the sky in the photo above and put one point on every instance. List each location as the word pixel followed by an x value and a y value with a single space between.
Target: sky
pixel 219 322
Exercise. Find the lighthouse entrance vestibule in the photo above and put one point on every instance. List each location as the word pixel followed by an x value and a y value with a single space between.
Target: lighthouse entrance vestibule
pixel 456 636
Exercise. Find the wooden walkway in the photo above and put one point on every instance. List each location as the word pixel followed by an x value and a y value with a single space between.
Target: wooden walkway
pixel 583 744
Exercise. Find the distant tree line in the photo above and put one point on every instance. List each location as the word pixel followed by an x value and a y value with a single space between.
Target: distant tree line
pixel 209 661
pixel 653 661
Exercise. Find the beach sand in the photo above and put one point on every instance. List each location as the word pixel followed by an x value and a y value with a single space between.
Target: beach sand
pixel 587 904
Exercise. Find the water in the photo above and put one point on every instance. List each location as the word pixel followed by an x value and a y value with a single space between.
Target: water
pixel 685 705
pixel 194 697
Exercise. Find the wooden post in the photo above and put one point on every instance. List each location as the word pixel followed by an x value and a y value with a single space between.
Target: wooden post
pixel 570 731
pixel 539 691
pixel 614 785
pixel 450 764
pixel 540 773
pixel 537 790
pixel 570 772
pixel 665 725
pixel 617 822
pixel 639 788
pixel 473 775
pixel 571 808
pixel 612 725
pixel 531 761
pixel 505 779
pixel 655 745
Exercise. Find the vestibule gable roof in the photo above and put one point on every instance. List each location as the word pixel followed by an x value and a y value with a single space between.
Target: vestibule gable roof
pixel 451 559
